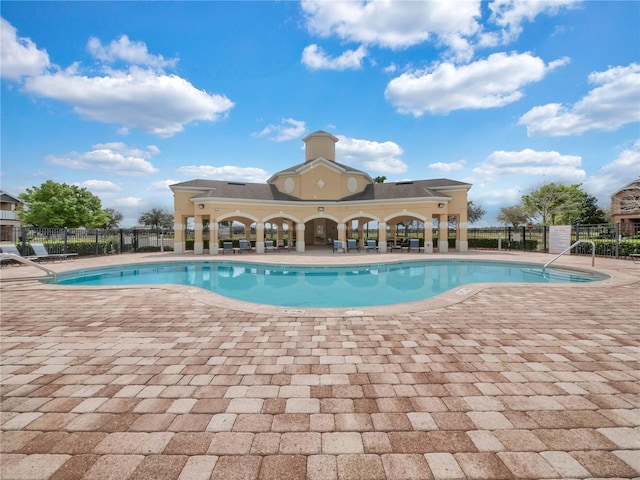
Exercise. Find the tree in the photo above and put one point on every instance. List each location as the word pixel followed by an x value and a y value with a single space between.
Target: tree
pixel 474 212
pixel 115 218
pixel 513 216
pixel 552 200
pixel 58 205
pixel 379 179
pixel 590 212
pixel 157 217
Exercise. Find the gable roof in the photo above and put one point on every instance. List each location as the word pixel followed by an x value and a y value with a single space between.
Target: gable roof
pixel 427 189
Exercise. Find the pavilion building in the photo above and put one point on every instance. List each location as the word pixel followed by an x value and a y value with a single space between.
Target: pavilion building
pixel 321 200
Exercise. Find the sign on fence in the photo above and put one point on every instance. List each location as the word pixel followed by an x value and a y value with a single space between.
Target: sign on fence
pixel 559 238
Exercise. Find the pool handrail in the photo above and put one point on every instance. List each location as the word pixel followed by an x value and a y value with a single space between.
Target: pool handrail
pixel 26 261
pixel 577 242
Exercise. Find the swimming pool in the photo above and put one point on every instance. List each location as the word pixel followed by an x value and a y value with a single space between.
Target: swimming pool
pixel 327 286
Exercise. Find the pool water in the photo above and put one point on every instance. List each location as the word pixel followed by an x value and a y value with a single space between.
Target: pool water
pixel 335 286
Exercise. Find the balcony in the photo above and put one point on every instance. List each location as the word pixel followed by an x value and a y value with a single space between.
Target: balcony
pixel 8 215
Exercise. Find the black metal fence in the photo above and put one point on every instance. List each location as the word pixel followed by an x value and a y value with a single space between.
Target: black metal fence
pixel 90 241
pixel 608 239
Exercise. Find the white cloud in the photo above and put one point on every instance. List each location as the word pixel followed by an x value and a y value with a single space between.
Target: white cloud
pixel 447 167
pixel 316 59
pixel 19 56
pixel 128 202
pixel 611 104
pixel 289 129
pixel 100 185
pixel 378 157
pixel 227 172
pixel 123 49
pixel 115 158
pixel 163 185
pixel 552 166
pixel 615 175
pixel 493 82
pixel 393 25
pixel 511 14
pixel 157 104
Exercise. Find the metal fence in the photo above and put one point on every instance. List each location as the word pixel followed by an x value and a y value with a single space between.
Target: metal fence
pixel 89 241
pixel 608 239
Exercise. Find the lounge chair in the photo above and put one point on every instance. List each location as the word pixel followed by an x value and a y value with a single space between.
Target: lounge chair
pixel 414 245
pixel 268 246
pixel 371 245
pixel 13 250
pixel 352 244
pixel 227 247
pixel 338 246
pixel 42 254
pixel 245 246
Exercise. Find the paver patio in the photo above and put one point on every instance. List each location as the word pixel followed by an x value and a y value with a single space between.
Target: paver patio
pixel 166 382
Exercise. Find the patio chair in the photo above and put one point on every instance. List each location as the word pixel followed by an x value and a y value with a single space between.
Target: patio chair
pixel 414 245
pixel 338 246
pixel 245 246
pixel 42 254
pixel 352 244
pixel 227 247
pixel 371 245
pixel 268 246
pixel 13 250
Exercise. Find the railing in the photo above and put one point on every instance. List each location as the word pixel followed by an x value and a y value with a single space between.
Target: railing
pixel 593 253
pixel 8 215
pixel 26 261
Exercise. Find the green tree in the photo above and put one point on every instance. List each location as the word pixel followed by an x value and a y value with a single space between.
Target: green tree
pixel 590 212
pixel 552 200
pixel 515 216
pixel 157 217
pixel 115 217
pixel 379 179
pixel 474 212
pixel 58 205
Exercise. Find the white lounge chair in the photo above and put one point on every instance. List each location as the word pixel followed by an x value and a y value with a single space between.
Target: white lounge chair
pixel 414 245
pixel 352 244
pixel 227 247
pixel 42 254
pixel 268 246
pixel 338 246
pixel 371 245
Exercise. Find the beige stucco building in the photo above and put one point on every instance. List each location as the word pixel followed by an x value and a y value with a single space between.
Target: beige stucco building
pixel 321 200
pixel 625 208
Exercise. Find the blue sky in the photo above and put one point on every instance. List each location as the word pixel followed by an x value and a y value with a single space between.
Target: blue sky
pixel 126 98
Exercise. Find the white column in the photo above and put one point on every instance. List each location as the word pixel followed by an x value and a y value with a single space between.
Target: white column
pixel 300 237
pixel 213 237
pixel 259 237
pixel 178 239
pixel 382 237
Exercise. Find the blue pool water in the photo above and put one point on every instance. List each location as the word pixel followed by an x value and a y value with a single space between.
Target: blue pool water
pixel 335 286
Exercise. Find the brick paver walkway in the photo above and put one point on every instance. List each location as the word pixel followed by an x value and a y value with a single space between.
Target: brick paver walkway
pixel 151 383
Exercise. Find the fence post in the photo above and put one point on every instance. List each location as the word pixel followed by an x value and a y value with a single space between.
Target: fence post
pixel 97 244
pixel 509 237
pixel 24 241
pixel 121 242
pixel 65 236
pixel 524 238
pixel 617 234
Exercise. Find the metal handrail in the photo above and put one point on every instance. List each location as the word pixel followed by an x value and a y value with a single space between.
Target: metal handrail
pixel 26 261
pixel 593 253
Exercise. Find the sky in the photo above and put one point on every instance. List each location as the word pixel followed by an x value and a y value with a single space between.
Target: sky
pixel 127 98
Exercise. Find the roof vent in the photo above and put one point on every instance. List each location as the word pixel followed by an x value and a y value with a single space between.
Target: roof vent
pixel 404 183
pixel 236 183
